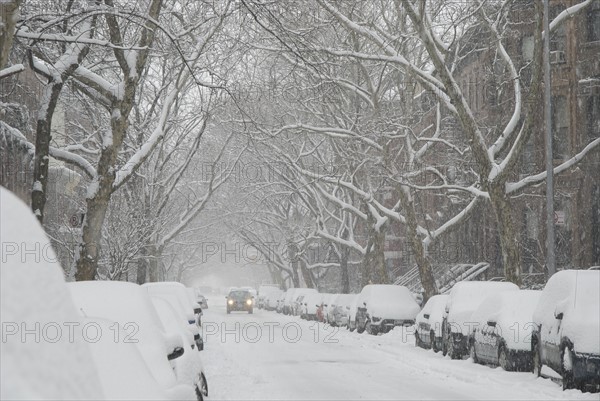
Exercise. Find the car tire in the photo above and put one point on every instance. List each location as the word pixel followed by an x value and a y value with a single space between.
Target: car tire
pixel 433 343
pixel 360 329
pixel 451 350
pixel 201 388
pixel 536 365
pixel 503 360
pixel 472 352
pixel 370 329
pixel 566 360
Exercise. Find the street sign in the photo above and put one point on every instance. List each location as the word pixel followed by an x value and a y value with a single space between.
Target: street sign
pixel 559 217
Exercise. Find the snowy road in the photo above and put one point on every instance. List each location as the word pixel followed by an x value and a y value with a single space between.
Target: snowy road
pixel 270 356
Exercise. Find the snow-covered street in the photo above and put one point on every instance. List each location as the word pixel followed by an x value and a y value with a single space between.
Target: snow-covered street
pixel 266 355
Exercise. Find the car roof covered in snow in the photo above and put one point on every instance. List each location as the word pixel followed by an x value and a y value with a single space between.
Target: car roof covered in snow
pixel 466 296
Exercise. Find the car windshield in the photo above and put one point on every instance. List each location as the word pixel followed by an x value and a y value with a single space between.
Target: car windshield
pixel 239 294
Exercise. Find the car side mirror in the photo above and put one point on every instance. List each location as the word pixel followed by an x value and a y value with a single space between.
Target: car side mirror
pixel 491 323
pixel 426 316
pixel 325 305
pixel 558 315
pixel 318 306
pixel 226 297
pixel 197 311
pixel 199 341
pixel 176 353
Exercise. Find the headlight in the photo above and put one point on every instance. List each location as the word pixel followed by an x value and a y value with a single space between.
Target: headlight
pixel 249 302
pixel 230 301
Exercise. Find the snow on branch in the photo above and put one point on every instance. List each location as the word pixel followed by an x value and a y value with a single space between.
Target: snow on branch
pixel 74 159
pixel 537 178
pixel 13 69
pixel 567 13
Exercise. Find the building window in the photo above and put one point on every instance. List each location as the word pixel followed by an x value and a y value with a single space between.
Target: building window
pixel 560 127
pixel 527 46
pixel 593 21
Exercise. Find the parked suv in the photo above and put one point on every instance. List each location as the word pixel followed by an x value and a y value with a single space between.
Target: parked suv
pixel 381 307
pixel 240 300
pixel 567 328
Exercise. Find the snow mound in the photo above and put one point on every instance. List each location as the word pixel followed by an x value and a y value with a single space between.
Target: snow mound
pixel 45 362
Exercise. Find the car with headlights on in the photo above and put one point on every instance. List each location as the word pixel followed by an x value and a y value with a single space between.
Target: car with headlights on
pixel 240 300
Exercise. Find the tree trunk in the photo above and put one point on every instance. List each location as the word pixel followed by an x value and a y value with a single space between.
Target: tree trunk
pixel 293 257
pixel 509 236
pixel 423 263
pixel 344 270
pixel 98 201
pixel 374 268
pixel 154 273
pixel 142 269
pixel 306 275
pixel 9 14
pixel 43 136
pixel 89 248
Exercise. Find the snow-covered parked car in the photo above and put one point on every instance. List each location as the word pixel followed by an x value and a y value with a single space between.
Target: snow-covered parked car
pixel 465 298
pixel 310 304
pixel 381 307
pixel 288 299
pixel 352 312
pixel 263 291
pixel 280 301
pixel 270 302
pixel 502 330
pixel 130 306
pixel 341 306
pixel 328 307
pixel 198 297
pixel 188 366
pixel 202 301
pixel 567 328
pixel 33 292
pixel 178 296
pixel 428 323
pixel 300 293
pixel 123 371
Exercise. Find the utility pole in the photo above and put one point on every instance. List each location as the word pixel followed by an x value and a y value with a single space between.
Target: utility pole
pixel 550 243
